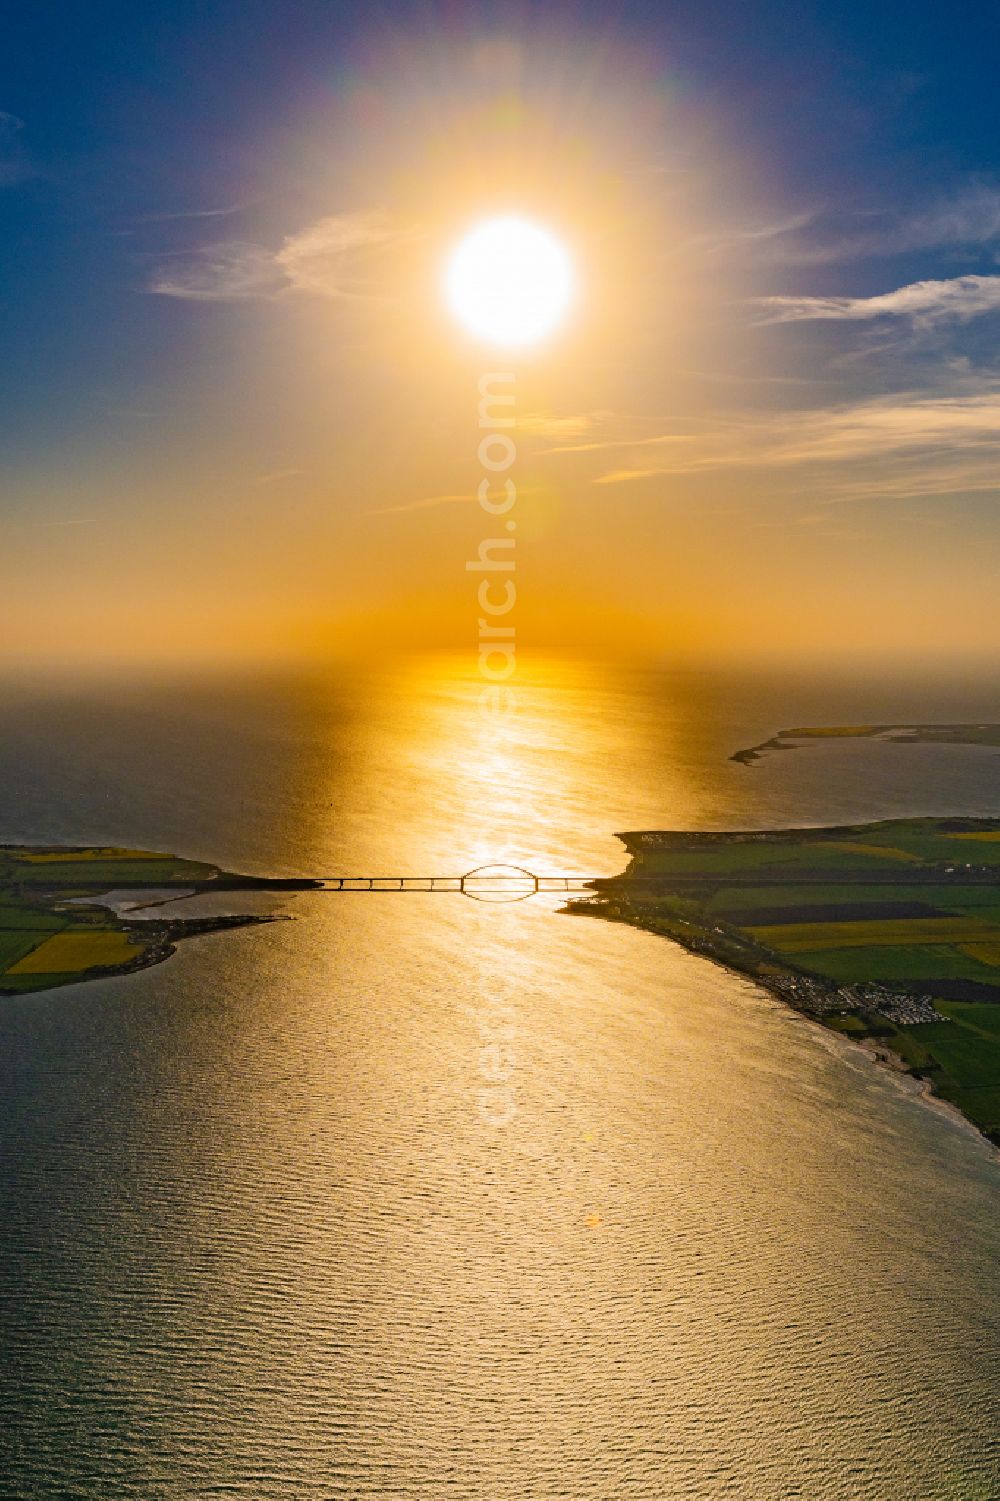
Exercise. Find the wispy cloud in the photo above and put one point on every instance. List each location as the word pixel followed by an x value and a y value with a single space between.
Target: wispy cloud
pixel 335 257
pixel 169 216
pixel 911 443
pixel 274 477
pixel 569 425
pixel 453 498
pixel 736 236
pixel 425 504
pixel 227 272
pixel 966 219
pixel 922 302
pixel 608 443
pixel 969 217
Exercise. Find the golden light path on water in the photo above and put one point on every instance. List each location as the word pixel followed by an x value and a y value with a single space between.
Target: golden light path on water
pixel 263 1240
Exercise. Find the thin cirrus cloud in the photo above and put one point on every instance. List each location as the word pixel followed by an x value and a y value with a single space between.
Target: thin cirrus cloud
pixel 911 443
pixel 229 272
pixel 170 216
pixel 331 258
pixel 924 303
pixel 431 502
pixel 426 503
pixel 274 477
pixel 569 425
pixel 763 235
pixel 967 218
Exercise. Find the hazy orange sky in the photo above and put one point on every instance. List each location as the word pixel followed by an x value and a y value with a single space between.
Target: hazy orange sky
pixel 768 428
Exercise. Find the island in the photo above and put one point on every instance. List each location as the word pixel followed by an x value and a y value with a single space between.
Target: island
pixel 63 911
pixel 886 932
pixel 897 734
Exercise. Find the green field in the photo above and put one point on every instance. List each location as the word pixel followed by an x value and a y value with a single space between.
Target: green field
pixel 103 872
pixel 794 937
pixel 898 734
pixel 43 944
pixel 978 900
pixel 906 909
pixel 962 1060
pixel 899 962
pixel 16 944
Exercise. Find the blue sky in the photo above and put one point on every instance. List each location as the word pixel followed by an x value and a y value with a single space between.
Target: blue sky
pixel 118 112
pixel 172 176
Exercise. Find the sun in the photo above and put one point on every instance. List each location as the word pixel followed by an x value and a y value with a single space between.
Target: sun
pixel 509 281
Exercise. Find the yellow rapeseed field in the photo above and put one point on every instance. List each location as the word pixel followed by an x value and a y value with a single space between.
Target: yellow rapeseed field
pixel 63 856
pixel 886 851
pixel 985 953
pixel 64 953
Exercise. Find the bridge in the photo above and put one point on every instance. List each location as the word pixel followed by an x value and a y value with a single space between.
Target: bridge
pixel 487 883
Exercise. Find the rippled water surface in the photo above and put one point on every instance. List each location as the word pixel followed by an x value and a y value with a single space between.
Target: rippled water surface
pixel 421 1197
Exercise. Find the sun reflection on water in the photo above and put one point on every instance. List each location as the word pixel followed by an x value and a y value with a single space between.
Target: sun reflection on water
pixel 436 787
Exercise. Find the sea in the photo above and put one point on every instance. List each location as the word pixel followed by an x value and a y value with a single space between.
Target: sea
pixel 419 1196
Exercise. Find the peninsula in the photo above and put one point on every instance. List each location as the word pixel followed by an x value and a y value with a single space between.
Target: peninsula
pixel 896 734
pixel 61 911
pixel 887 932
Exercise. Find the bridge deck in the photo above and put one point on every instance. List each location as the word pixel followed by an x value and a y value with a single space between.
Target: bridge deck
pixel 483 885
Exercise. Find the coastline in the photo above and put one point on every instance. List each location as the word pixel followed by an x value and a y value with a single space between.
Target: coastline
pixel 897 1028
pixel 880 1054
pixel 982 734
pixel 91 900
pixel 71 913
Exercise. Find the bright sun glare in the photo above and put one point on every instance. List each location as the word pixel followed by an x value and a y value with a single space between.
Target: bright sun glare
pixel 509 281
